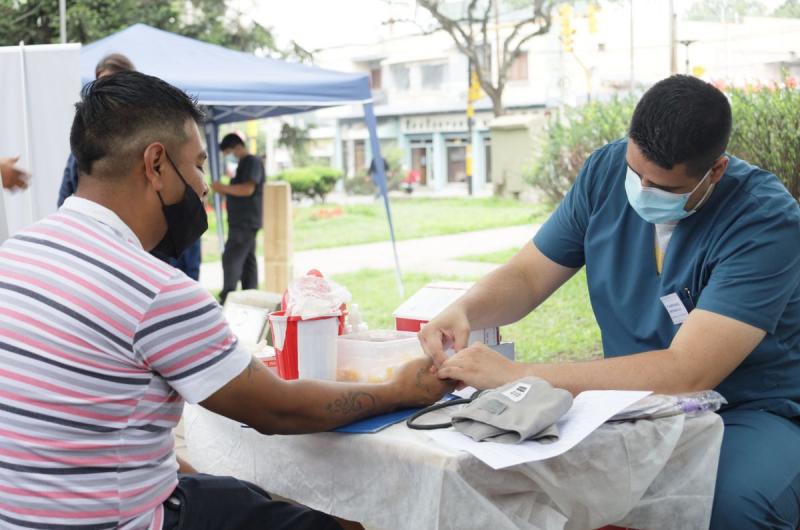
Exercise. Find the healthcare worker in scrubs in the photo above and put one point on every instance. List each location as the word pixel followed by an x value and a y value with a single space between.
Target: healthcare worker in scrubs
pixel 693 264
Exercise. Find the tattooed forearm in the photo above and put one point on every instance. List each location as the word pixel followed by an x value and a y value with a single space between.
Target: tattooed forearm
pixel 420 379
pixel 352 403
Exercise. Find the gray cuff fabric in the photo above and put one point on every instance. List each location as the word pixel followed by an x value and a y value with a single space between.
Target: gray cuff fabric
pixel 523 410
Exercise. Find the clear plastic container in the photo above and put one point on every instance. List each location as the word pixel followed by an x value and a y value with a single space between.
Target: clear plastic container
pixel 372 356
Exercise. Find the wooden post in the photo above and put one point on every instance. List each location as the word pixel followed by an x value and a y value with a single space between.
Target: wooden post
pixel 277 236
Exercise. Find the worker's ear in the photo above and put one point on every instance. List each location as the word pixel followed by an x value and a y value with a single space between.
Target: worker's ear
pixel 718 169
pixel 155 159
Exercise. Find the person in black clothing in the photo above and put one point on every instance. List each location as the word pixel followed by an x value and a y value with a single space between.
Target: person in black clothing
pixel 244 204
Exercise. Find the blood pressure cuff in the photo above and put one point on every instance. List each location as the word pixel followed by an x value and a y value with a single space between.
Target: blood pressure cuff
pixel 527 409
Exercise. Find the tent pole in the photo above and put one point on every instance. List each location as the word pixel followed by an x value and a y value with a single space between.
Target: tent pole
pixel 380 176
pixel 32 208
pixel 212 145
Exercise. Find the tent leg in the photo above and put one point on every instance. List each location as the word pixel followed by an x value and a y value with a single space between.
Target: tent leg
pixel 380 177
pixel 212 143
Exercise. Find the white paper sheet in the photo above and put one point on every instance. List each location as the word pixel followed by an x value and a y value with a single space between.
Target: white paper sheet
pixel 589 411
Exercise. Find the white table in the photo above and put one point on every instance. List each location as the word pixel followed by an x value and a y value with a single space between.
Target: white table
pixel 646 474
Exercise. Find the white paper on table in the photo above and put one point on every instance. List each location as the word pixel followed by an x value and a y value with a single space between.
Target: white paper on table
pixel 589 411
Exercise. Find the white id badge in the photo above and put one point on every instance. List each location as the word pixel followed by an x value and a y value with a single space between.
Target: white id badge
pixel 677 311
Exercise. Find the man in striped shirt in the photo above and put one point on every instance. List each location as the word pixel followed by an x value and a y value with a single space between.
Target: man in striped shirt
pixel 101 343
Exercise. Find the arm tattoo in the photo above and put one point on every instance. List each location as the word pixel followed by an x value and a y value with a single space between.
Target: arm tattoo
pixel 420 381
pixel 352 403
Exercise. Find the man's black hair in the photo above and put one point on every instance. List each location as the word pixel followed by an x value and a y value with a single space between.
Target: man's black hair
pixel 230 141
pixel 119 115
pixel 682 120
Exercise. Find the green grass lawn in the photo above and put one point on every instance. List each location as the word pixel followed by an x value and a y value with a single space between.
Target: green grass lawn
pixel 332 225
pixel 563 328
pixel 501 256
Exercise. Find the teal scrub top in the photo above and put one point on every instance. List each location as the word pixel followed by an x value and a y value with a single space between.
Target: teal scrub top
pixel 737 256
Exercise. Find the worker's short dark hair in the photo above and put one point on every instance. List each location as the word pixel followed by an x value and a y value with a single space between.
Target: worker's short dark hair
pixel 230 141
pixel 682 120
pixel 118 116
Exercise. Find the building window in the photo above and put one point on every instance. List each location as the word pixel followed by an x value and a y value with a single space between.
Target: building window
pixel 519 68
pixel 456 161
pixel 433 75
pixel 375 78
pixel 400 76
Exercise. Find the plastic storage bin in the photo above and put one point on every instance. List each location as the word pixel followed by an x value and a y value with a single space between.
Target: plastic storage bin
pixel 371 356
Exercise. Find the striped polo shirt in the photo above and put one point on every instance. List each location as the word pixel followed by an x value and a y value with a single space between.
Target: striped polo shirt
pixel 100 344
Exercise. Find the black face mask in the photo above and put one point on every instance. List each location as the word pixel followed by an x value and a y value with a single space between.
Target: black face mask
pixel 186 222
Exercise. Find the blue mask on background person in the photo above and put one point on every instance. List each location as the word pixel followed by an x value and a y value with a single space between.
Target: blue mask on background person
pixel 658 206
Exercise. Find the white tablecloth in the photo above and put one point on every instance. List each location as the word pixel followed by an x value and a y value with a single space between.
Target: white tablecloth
pixel 646 474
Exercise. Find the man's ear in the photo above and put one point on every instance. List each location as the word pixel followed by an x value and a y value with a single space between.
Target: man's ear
pixel 155 159
pixel 718 169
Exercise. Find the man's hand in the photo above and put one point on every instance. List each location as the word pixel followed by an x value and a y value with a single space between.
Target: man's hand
pixel 450 329
pixel 218 187
pixel 13 177
pixel 481 367
pixel 417 385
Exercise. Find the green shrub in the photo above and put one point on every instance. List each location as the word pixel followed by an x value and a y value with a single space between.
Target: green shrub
pixel 765 131
pixel 313 181
pixel 361 183
pixel 570 137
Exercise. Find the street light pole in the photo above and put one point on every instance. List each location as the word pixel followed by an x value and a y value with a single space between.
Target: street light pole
pixel 633 78
pixel 687 43
pixel 673 39
pixel 62 16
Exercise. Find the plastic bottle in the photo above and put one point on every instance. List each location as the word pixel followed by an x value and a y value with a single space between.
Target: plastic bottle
pixel 356 323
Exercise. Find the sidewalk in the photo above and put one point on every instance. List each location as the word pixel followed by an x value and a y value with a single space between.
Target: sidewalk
pixel 436 255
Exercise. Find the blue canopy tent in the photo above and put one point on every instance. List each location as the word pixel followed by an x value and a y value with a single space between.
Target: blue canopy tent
pixel 236 86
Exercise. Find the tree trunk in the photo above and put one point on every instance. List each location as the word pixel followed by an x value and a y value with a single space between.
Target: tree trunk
pixel 497 103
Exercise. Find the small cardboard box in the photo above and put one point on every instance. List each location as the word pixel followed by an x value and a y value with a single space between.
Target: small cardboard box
pixel 431 300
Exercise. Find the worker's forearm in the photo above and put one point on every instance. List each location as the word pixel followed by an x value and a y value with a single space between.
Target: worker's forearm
pixel 238 190
pixel 657 370
pixel 502 297
pixel 313 406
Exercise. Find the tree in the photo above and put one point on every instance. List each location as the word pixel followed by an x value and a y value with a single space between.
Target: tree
pixel 789 9
pixel 468 26
pixel 297 140
pixel 724 10
pixel 36 22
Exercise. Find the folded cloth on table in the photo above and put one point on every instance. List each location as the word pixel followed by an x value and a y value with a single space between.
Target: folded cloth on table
pixel 527 409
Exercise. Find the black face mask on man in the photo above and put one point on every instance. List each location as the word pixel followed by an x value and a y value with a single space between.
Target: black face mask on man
pixel 186 221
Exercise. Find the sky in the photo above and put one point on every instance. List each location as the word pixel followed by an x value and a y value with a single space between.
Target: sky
pixel 316 24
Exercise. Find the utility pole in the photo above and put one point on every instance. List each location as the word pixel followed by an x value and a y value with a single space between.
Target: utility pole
pixel 497 48
pixel 633 77
pixel 687 43
pixel 473 95
pixel 62 15
pixel 673 39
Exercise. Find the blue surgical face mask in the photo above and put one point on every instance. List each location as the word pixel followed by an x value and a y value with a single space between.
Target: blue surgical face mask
pixel 658 206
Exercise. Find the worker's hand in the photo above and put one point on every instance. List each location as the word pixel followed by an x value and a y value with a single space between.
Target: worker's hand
pixel 218 187
pixel 13 177
pixel 481 367
pixel 450 329
pixel 417 385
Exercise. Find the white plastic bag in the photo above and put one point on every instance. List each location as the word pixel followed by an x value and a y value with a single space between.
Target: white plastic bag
pixel 314 296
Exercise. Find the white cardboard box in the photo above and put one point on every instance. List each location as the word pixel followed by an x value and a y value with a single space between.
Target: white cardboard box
pixel 431 300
